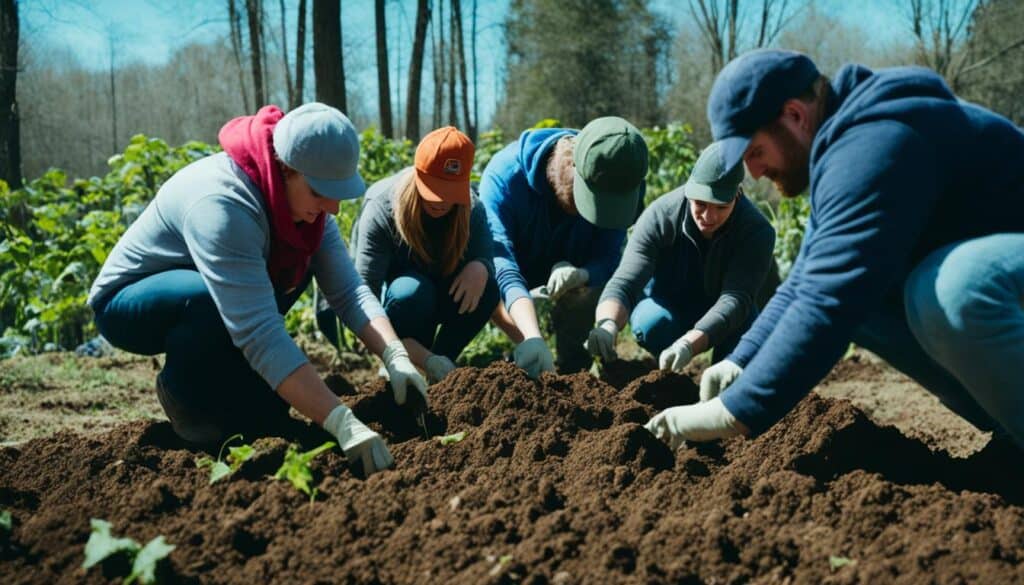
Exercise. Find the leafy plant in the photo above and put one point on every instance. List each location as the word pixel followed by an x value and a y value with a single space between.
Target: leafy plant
pixel 103 545
pixel 296 468
pixel 223 467
pixel 6 522
pixel 452 439
pixel 835 563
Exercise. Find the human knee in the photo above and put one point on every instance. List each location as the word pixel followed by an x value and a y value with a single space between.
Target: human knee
pixel 653 325
pixel 410 296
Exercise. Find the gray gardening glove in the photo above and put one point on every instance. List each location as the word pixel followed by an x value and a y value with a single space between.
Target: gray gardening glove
pixel 401 372
pixel 703 421
pixel 534 356
pixel 361 445
pixel 438 366
pixel 676 356
pixel 601 341
pixel 565 277
pixel 717 378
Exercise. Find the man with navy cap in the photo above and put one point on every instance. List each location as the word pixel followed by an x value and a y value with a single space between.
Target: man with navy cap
pixel 914 248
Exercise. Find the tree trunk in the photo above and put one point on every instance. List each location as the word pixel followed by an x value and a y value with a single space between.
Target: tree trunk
pixel 113 99
pixel 300 57
pixel 235 20
pixel 254 8
pixel 284 53
pixel 476 103
pixel 453 60
pixel 328 61
pixel 10 143
pixel 383 82
pixel 437 64
pixel 412 103
pixel 460 49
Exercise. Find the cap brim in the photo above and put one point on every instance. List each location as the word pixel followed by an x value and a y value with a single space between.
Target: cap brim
pixel 709 194
pixel 436 190
pixel 615 211
pixel 733 148
pixel 338 189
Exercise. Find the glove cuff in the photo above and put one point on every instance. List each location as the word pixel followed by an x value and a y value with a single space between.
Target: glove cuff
pixel 394 349
pixel 345 427
pixel 609 325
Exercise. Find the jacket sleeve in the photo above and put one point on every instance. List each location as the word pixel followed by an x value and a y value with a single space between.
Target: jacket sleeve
pixel 345 291
pixel 480 246
pixel 501 218
pixel 742 279
pixel 870 196
pixel 653 232
pixel 374 244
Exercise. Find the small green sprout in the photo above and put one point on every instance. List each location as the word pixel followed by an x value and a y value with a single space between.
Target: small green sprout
pixel 6 523
pixel 296 468
pixel 835 563
pixel 222 467
pixel 103 545
pixel 452 439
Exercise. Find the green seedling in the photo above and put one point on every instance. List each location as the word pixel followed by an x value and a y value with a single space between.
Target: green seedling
pixel 5 522
pixel 835 563
pixel 103 545
pixel 224 467
pixel 452 439
pixel 296 468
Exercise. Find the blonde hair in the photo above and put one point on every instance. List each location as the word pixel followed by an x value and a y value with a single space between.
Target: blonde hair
pixel 409 220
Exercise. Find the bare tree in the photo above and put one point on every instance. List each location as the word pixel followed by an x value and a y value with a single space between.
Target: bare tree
pixel 383 81
pixel 412 105
pixel 451 69
pixel 284 55
pixel 254 9
pixel 721 23
pixel 10 144
pixel 459 50
pixel 438 65
pixel 300 57
pixel 235 20
pixel 328 61
pixel 472 45
pixel 113 90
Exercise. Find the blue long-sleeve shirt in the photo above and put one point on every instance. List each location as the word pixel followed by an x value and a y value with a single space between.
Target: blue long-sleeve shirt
pixel 899 168
pixel 531 231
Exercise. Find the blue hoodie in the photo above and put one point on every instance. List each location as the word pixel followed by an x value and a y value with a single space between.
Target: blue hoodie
pixel 899 168
pixel 531 232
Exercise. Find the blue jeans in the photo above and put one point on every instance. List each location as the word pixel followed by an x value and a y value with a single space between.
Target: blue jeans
pixel 960 333
pixel 657 324
pixel 206 381
pixel 419 307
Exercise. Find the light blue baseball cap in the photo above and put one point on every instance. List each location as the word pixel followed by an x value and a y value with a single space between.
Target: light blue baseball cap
pixel 321 143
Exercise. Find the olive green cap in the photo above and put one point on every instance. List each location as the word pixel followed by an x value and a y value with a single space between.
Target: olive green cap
pixel 611 162
pixel 711 180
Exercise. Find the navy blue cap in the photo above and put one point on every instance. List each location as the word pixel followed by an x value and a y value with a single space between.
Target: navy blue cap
pixel 749 93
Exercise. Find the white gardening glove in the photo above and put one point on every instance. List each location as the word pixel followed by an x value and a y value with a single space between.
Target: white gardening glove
pixel 534 356
pixel 438 366
pixel 703 421
pixel 717 378
pixel 565 277
pixel 676 356
pixel 401 372
pixel 601 341
pixel 360 444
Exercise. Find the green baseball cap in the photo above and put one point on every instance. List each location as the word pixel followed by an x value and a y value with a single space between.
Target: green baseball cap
pixel 711 180
pixel 611 162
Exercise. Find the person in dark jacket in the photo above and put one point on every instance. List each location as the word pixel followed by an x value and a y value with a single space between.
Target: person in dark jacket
pixel 423 240
pixel 692 270
pixel 914 248
pixel 558 203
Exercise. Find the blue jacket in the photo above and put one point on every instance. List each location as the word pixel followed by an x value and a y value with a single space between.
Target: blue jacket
pixel 531 232
pixel 899 168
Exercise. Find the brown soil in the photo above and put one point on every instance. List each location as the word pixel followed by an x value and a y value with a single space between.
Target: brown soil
pixel 555 482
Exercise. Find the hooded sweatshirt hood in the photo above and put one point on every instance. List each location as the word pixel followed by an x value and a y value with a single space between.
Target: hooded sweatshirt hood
pixel 534 148
pixel 249 141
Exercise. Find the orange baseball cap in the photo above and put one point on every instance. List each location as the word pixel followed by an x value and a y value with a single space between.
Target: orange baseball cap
pixel 444 159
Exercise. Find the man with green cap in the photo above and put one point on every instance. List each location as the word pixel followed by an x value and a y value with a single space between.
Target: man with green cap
pixel 695 268
pixel 558 203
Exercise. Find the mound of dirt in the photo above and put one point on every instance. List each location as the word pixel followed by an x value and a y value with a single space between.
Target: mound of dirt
pixel 554 482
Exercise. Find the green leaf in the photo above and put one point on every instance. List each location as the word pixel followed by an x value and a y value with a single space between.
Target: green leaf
pixel 835 563
pixel 223 467
pixel 239 455
pixel 144 567
pixel 103 544
pixel 452 439
pixel 218 471
pixel 295 468
pixel 6 522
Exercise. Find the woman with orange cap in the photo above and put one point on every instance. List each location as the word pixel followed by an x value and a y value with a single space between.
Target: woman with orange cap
pixel 423 238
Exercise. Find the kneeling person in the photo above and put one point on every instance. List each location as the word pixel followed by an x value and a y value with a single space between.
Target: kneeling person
pixel 424 240
pixel 692 271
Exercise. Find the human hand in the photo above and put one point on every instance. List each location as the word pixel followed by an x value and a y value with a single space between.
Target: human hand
pixel 469 285
pixel 675 357
pixel 717 378
pixel 401 372
pixel 703 421
pixel 565 277
pixel 362 446
pixel 437 367
pixel 534 356
pixel 601 341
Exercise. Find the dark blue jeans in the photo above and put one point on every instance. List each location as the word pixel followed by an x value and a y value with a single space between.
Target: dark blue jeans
pixel 419 307
pixel 657 324
pixel 206 381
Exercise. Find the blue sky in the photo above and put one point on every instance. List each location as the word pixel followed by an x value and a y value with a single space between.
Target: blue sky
pixel 150 30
